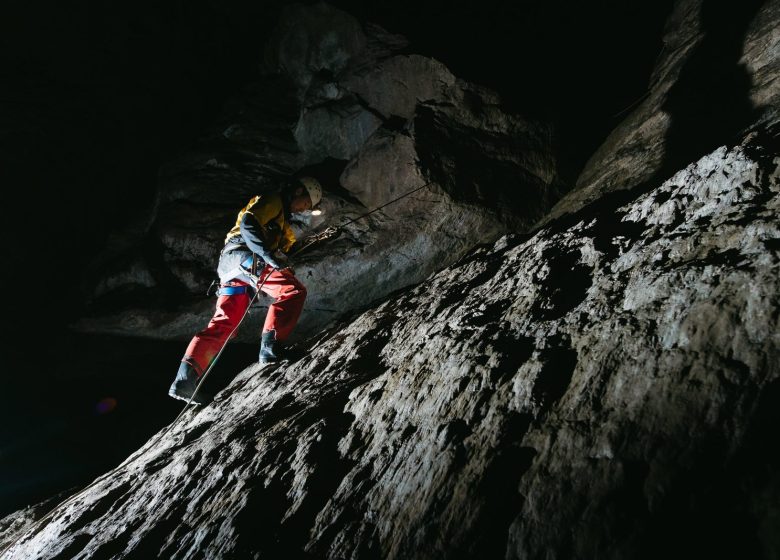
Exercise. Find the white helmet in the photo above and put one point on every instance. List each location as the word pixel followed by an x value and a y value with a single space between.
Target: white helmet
pixel 314 189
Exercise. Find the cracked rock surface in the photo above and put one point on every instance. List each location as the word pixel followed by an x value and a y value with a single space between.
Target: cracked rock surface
pixel 608 387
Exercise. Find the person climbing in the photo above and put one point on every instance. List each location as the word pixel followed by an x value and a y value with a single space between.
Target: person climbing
pixel 261 235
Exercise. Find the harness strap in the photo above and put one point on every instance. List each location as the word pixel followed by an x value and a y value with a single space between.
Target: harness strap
pixel 232 290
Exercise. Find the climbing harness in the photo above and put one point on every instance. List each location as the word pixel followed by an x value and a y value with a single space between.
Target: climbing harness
pixel 249 267
pixel 224 344
pixel 232 290
pixel 250 270
pixel 334 231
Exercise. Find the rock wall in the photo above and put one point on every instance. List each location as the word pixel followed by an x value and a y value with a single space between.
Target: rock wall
pixel 347 102
pixel 608 387
pixel 717 76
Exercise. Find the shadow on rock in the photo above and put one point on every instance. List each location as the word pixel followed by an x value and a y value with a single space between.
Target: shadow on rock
pixel 710 102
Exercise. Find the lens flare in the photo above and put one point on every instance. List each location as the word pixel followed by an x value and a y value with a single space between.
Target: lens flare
pixel 104 406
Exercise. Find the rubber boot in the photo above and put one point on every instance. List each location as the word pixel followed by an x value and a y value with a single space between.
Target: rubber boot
pixel 184 386
pixel 269 350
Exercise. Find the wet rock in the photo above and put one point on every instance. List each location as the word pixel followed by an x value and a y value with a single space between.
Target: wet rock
pixel 607 387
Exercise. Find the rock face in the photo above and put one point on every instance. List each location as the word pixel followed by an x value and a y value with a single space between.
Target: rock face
pixel 337 99
pixel 608 387
pixel 718 75
pixel 12 526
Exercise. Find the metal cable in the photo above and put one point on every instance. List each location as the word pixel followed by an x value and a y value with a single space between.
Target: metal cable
pixel 334 230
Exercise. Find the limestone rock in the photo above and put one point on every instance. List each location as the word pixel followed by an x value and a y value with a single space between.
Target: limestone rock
pixel 336 130
pixel 608 387
pixel 312 40
pixel 488 172
pixel 14 525
pixel 717 76
pixel 396 85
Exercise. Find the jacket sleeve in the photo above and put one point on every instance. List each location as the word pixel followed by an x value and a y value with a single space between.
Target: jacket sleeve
pixel 288 237
pixel 253 235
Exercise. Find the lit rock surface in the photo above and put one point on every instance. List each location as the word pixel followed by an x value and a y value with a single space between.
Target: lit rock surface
pixel 12 526
pixel 717 76
pixel 608 387
pixel 339 102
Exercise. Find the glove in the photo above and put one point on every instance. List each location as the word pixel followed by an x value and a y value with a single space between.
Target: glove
pixel 277 260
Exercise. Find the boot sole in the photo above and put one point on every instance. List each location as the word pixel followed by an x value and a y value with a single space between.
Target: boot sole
pixel 196 402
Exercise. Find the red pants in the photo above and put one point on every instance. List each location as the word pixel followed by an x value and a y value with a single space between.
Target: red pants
pixel 282 316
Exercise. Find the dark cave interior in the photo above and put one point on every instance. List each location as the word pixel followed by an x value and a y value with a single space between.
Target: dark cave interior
pixel 96 96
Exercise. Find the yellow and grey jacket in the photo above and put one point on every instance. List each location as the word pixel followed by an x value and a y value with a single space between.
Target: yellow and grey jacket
pixel 262 226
